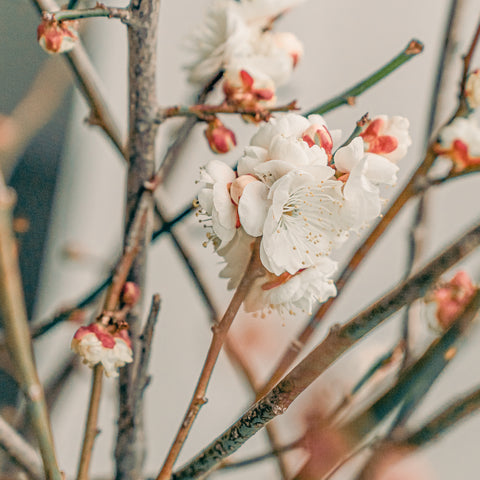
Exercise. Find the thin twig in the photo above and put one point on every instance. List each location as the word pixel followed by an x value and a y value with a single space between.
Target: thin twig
pixel 89 84
pixel 340 339
pixel 442 422
pixel 220 331
pixel 17 334
pixel 91 430
pixel 348 96
pixel 146 339
pixel 99 10
pixel 204 111
pixel 184 131
pixel 119 277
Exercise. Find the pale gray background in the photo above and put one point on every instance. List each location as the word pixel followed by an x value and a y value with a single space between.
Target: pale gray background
pixel 344 41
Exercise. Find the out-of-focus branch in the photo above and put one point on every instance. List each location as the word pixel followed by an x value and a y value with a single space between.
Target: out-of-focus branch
pixel 21 452
pixel 339 340
pixel 17 334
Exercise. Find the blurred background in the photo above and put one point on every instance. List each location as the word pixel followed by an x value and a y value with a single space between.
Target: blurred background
pixel 70 185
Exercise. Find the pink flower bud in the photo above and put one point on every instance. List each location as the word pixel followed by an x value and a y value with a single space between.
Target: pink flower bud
pixel 57 37
pixel 452 298
pixel 96 344
pixel 387 136
pixel 130 293
pixel 238 185
pixel 472 89
pixel 220 138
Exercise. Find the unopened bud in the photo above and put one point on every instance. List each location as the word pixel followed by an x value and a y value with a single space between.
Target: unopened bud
pixel 130 293
pixel 319 135
pixel 472 89
pixel 57 37
pixel 220 138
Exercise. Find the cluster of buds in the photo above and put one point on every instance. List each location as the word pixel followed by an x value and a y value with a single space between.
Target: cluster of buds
pixel 106 341
pixel 450 299
pixel 57 37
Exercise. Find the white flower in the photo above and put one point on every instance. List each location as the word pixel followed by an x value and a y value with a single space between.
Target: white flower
pixel 387 136
pixel 287 292
pixel 223 37
pixel 304 222
pixel 460 141
pixel 363 202
pixel 278 147
pixel 284 292
pixel 232 201
pixel 95 344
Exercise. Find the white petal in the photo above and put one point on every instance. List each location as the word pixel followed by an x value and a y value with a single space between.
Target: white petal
pixel 380 170
pixel 347 157
pixel 253 207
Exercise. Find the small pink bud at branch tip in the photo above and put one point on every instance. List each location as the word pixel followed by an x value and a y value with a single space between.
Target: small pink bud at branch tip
pixel 130 293
pixel 220 138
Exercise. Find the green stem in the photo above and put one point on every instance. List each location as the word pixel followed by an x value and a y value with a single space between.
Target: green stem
pixel 102 11
pixel 17 334
pixel 348 96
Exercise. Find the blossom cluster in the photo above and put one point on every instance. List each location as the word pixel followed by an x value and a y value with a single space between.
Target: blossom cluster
pixel 237 38
pixel 95 343
pixel 304 198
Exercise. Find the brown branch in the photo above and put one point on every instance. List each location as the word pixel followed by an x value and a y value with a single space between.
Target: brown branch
pixel 91 430
pixel 339 340
pixel 142 70
pixel 122 269
pixel 220 331
pixel 206 112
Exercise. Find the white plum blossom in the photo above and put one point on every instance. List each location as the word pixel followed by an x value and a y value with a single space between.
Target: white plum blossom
pixel 304 222
pixel 387 136
pixel 234 35
pixel 284 292
pixel 301 199
pixel 288 292
pixel 223 37
pixel 279 147
pixel 232 201
pixel 365 172
pixel 460 142
pixel 95 344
